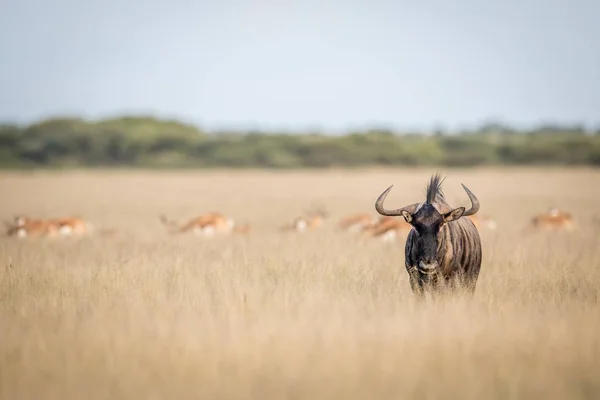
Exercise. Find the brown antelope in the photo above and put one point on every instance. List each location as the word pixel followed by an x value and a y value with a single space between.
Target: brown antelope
pixel 357 222
pixel 206 224
pixel 23 227
pixel 300 224
pixel 553 219
pixel 314 220
pixel 316 217
pixel 71 226
pixel 388 228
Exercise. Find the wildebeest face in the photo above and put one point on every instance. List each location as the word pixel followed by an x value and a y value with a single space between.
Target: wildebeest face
pixel 427 222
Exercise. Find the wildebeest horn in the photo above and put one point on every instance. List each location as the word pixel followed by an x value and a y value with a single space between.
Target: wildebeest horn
pixel 474 202
pixel 392 213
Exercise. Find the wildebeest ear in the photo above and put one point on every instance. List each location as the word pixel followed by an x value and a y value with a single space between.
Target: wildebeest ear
pixel 407 216
pixel 454 214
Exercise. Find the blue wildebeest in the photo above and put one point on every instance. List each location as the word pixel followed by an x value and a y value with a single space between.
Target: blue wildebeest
pixel 442 247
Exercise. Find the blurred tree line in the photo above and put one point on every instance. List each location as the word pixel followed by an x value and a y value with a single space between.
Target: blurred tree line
pixel 151 142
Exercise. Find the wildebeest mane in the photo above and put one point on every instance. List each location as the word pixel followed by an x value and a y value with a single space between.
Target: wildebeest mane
pixel 434 188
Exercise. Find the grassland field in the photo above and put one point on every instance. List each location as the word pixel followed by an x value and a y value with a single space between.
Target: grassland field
pixel 319 315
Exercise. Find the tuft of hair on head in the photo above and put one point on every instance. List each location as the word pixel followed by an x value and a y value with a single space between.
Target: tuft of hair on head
pixel 434 188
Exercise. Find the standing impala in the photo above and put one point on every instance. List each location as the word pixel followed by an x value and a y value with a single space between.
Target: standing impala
pixel 441 246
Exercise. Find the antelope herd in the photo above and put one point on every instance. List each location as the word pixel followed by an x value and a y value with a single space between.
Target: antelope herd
pixel 365 224
pixel 442 243
pixel 386 228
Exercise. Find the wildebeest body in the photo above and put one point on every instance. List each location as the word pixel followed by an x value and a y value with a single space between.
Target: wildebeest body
pixel 442 247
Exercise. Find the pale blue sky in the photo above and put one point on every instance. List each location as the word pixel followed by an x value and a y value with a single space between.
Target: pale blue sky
pixel 296 64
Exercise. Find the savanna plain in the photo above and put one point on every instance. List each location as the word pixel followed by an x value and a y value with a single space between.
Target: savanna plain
pixel 326 314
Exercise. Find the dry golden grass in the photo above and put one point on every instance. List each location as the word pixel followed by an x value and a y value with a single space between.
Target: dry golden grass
pixel 147 315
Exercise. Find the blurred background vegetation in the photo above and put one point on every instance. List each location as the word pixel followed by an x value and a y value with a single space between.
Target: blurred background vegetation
pixel 143 141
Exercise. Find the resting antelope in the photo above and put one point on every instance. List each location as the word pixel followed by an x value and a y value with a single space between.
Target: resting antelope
pixel 553 219
pixel 387 228
pixel 314 220
pixel 71 226
pixel 441 245
pixel 62 226
pixel 206 224
pixel 357 222
pixel 23 227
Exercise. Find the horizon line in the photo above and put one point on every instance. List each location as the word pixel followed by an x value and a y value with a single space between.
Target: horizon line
pixel 309 127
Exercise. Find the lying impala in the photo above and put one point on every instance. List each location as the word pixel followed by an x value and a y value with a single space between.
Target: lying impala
pixel 72 226
pixel 313 220
pixel 553 219
pixel 388 228
pixel 23 227
pixel 358 222
pixel 207 224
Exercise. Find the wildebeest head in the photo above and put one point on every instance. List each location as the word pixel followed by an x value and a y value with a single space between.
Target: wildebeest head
pixel 427 219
